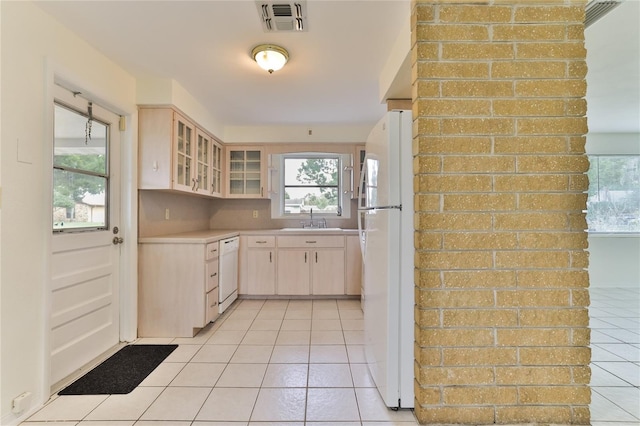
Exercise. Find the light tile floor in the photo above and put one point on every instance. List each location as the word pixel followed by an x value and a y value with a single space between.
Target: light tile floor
pixel 294 363
pixel 615 356
pixel 267 363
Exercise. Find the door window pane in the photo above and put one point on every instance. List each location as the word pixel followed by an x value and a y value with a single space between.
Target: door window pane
pixel 80 171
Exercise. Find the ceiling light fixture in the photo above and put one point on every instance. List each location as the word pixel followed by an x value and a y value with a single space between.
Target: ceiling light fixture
pixel 270 57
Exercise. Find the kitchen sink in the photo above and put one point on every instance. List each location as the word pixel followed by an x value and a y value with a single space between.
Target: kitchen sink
pixel 311 229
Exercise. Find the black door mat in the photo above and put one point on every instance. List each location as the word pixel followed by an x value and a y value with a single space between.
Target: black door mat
pixel 121 372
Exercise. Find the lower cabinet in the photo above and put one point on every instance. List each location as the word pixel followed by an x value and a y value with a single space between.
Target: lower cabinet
pixel 294 276
pixel 327 272
pixel 354 265
pixel 211 277
pixel 177 288
pixel 300 265
pixel 311 265
pixel 261 271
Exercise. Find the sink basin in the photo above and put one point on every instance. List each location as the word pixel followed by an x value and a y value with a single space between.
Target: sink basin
pixel 311 229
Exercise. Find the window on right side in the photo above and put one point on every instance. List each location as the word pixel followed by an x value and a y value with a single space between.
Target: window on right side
pixel 613 205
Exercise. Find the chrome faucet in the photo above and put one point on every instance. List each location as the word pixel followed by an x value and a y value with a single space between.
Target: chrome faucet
pixel 311 222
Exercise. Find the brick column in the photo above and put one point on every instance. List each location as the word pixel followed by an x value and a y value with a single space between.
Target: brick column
pixel 501 284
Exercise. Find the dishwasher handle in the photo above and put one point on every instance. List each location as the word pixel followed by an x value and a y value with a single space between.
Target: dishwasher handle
pixel 229 245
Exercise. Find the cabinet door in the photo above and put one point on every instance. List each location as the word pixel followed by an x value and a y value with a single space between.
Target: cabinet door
pixel 202 163
pixel 261 272
pixel 211 307
pixel 294 272
pixel 183 153
pixel 353 265
pixel 245 173
pixel 328 272
pixel 216 170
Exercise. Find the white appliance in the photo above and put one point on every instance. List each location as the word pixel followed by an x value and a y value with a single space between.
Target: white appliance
pixel 228 273
pixel 385 223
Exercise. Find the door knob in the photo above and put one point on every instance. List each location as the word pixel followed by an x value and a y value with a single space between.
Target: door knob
pixel 118 240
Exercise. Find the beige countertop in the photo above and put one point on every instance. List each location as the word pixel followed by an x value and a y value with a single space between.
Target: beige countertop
pixel 195 237
pixel 211 235
pixel 300 231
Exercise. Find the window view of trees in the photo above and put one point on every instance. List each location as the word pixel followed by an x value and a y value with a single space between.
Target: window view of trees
pixel 311 183
pixel 614 194
pixel 79 171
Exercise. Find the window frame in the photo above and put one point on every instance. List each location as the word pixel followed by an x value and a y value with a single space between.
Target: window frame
pixel 279 189
pixel 595 231
pixel 106 175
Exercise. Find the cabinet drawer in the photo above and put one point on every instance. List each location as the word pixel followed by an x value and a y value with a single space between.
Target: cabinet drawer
pixel 311 241
pixel 212 251
pixel 211 278
pixel 261 241
pixel 211 311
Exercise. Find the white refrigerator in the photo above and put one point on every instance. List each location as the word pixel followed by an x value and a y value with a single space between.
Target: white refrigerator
pixel 385 223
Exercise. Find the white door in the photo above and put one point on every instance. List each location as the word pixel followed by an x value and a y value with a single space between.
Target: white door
pixel 85 257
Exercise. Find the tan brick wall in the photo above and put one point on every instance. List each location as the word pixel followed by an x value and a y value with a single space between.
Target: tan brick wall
pixel 501 284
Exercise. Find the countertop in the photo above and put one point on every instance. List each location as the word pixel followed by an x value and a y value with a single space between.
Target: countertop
pixel 195 237
pixel 212 235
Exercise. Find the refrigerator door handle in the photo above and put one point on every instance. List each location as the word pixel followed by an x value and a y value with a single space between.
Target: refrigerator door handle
pixel 365 209
pixel 363 191
pixel 362 204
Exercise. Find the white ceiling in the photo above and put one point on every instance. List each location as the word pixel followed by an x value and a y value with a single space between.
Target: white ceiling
pixel 333 74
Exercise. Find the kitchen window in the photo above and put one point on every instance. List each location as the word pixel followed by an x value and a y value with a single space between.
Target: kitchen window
pixel 310 182
pixel 613 205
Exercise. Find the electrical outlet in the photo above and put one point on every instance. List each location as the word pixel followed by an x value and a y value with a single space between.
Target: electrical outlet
pixel 255 214
pixel 21 402
pixel 166 214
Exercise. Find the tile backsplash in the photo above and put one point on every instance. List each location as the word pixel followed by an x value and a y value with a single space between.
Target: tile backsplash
pixel 238 214
pixel 191 213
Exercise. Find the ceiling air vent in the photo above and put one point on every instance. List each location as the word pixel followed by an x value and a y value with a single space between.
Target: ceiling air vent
pixel 283 15
pixel 597 9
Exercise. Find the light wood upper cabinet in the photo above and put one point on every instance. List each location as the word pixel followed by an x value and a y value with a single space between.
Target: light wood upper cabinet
pixel 175 154
pixel 246 172
pixel 184 154
pixel 216 169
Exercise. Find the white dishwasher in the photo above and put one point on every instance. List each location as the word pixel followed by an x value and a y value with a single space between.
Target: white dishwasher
pixel 228 272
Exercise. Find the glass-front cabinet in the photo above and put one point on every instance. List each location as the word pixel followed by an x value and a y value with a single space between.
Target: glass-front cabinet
pixel 246 172
pixel 175 154
pixel 184 153
pixel 216 169
pixel 202 181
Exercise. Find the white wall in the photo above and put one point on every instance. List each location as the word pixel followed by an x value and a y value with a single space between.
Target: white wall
pixel 614 260
pixel 33 47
